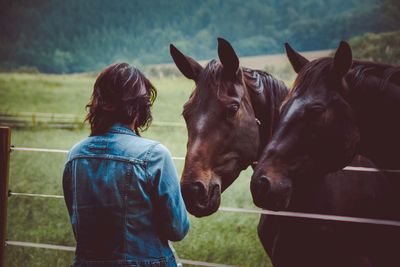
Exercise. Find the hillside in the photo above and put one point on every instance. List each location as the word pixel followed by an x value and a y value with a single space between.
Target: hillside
pixel 58 36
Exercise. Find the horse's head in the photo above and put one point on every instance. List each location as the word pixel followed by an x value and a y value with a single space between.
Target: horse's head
pixel 223 133
pixel 316 133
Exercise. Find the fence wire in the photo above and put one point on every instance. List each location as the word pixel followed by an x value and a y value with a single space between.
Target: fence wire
pixel 69 248
pixel 51 150
pixel 242 210
pixel 292 214
pixel 223 209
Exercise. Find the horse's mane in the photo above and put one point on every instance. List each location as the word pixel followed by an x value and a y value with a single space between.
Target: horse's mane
pixel 275 91
pixel 258 80
pixel 361 70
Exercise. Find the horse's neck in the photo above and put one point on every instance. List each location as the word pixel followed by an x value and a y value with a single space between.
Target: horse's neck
pixel 267 95
pixel 377 109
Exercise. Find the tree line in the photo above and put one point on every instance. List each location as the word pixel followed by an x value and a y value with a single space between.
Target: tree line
pixel 58 36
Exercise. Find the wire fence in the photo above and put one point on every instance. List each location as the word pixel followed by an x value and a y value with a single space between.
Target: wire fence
pixel 222 209
pixel 70 248
pixel 244 210
pixel 293 214
pixel 51 150
pixel 179 260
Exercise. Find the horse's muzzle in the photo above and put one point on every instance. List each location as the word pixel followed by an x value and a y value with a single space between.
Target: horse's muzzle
pixel 201 201
pixel 272 195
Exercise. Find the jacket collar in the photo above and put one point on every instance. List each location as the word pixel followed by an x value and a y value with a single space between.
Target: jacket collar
pixel 122 129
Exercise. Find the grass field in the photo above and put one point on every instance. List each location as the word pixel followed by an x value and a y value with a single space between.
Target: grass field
pixel 228 238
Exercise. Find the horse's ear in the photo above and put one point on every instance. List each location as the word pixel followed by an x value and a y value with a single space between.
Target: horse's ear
pixel 187 65
pixel 228 58
pixel 342 61
pixel 297 60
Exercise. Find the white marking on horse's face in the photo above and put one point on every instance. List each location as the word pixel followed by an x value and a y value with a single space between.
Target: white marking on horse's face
pixel 200 124
pixel 294 107
pixel 197 130
pixel 196 144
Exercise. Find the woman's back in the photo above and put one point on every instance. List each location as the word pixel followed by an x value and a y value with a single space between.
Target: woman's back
pixel 123 197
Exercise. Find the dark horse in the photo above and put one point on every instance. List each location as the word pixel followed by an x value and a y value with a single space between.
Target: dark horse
pixel 324 122
pixel 337 108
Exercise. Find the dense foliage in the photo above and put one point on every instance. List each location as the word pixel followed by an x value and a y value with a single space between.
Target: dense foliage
pixel 75 36
pixel 384 47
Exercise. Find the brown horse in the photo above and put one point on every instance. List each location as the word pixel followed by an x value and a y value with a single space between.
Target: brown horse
pixel 229 117
pixel 337 108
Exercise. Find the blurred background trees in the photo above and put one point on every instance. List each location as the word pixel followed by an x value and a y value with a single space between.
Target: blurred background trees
pixel 57 36
pixel 384 47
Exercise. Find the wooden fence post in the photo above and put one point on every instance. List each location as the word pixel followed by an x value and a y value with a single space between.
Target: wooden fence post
pixel 5 143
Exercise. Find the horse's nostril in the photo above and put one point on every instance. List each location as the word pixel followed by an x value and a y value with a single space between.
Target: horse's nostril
pixel 193 191
pixel 215 191
pixel 264 184
pixel 200 200
pixel 197 189
pixel 260 189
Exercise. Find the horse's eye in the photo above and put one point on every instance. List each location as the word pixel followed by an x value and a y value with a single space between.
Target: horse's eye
pixel 315 110
pixel 232 109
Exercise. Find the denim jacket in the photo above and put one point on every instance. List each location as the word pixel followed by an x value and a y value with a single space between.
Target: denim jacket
pixel 124 200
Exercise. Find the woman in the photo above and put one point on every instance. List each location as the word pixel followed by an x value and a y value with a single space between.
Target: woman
pixel 122 190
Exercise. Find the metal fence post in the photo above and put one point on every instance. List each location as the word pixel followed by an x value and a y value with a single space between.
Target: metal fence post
pixel 5 142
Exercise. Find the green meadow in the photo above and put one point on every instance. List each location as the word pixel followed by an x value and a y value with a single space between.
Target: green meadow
pixel 226 238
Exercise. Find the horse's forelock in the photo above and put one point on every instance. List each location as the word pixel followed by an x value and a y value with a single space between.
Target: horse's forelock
pixel 308 79
pixel 208 85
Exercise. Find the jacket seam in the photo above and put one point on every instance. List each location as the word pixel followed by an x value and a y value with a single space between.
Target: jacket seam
pixel 129 175
pixel 106 156
pixel 122 132
pixel 139 261
pixel 75 197
pixel 146 163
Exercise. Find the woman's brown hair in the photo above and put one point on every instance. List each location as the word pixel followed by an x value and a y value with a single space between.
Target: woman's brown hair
pixel 121 94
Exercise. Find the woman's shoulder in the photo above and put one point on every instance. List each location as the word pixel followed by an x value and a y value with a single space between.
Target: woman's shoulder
pixel 159 148
pixel 77 148
pixel 158 152
pixel 144 149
